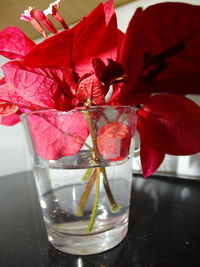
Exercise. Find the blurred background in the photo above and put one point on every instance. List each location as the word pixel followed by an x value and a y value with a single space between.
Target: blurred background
pixel 14 155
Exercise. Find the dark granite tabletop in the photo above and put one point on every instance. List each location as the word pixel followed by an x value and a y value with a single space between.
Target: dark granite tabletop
pixel 164 226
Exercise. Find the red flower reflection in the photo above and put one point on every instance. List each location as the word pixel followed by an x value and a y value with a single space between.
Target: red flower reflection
pixel 114 141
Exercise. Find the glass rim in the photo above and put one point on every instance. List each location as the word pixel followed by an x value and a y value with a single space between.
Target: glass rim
pixel 23 115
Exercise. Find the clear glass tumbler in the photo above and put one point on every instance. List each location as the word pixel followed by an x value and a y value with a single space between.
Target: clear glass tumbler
pixel 82 162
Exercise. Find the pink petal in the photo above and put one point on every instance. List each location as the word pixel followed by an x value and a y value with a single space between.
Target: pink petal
pixel 28 14
pixel 10 93
pixel 13 118
pixel 49 10
pixel 32 87
pixel 10 120
pixel 109 10
pixel 58 136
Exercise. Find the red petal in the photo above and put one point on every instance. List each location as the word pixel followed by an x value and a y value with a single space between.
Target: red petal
pixel 98 66
pixel 132 50
pixel 14 43
pixel 112 71
pixel 168 26
pixel 181 117
pixel 81 44
pixel 51 52
pixel 86 44
pixel 151 140
pixel 58 136
pixel 168 124
pixel 40 16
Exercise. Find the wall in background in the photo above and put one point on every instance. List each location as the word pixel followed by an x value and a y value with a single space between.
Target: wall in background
pixel 14 155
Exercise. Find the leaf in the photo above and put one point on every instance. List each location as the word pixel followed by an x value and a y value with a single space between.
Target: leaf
pixel 172 42
pixel 168 124
pixel 112 71
pixel 14 44
pixel 91 89
pixel 58 135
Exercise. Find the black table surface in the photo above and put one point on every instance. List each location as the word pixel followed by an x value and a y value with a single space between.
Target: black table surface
pixel 164 228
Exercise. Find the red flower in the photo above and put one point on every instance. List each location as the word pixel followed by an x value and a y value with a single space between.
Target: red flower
pixel 46 22
pixel 51 10
pixel 47 76
pixel 153 66
pixel 28 15
pixel 160 54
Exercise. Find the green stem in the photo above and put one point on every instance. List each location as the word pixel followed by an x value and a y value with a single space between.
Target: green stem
pixel 86 193
pixel 93 135
pixel 113 205
pixel 96 200
pixel 94 174
pixel 87 174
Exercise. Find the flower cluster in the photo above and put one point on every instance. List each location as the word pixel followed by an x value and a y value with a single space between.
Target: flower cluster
pixel 152 66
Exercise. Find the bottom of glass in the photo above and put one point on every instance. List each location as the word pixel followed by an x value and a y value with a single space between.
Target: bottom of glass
pixel 87 244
